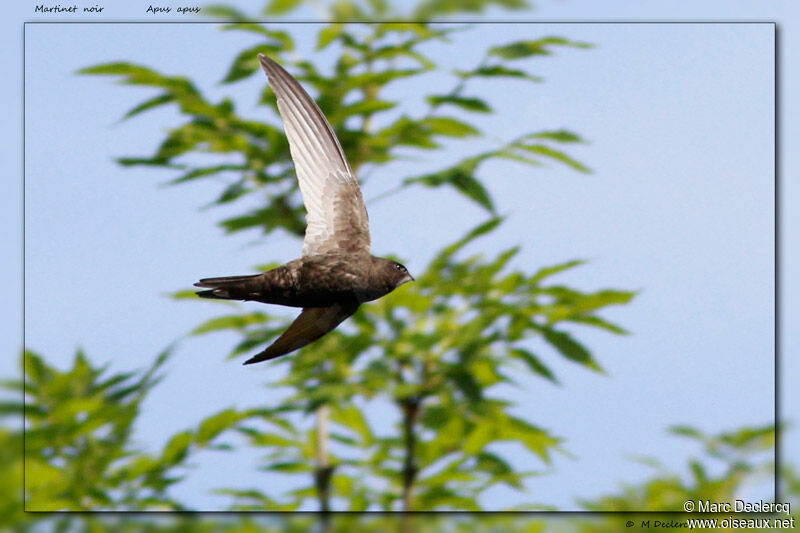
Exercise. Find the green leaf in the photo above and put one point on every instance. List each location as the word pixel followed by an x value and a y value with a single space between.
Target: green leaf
pixel 177 448
pixel 216 424
pixel 563 136
pixel 603 298
pixel 246 63
pixel 363 107
pixel 146 162
pixel 232 192
pixel 281 7
pixel 570 348
pixel 404 50
pixel 353 418
pixel 449 126
pixel 152 103
pixel 287 466
pixel 752 438
pixel 598 322
pixel 235 322
pixel 139 75
pixel 347 10
pixel 205 172
pixel 541 149
pixel 535 439
pixel 379 7
pixel 461 177
pixel 271 440
pixel 379 78
pixel 69 410
pixel 469 103
pixel 36 370
pixel 534 364
pixel 403 131
pixel 281 37
pixel 522 49
pixel 481 435
pixel 496 71
pixel 545 272
pixel 699 472
pixel 433 9
pixel 466 383
pixel 328 34
pixel 420 30
pixel 478 231
pixel 279 214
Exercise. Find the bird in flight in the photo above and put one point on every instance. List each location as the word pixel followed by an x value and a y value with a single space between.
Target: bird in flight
pixel 335 272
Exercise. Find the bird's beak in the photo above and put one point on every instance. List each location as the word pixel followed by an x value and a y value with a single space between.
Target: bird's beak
pixel 409 277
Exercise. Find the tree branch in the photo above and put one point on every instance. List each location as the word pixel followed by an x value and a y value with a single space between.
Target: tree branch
pixel 410 412
pixel 324 470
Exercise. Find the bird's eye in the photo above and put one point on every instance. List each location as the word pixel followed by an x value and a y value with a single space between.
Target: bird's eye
pixel 399 267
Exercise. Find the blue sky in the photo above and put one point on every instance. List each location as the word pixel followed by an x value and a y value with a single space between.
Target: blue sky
pixel 680 206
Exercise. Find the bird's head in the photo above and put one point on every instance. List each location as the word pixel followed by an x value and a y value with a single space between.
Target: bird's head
pixel 392 273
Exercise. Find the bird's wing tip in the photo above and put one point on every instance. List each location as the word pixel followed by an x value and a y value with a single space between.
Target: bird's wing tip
pixel 254 359
pixel 257 358
pixel 266 61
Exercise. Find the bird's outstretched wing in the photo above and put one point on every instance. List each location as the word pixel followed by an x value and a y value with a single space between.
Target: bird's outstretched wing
pixel 337 218
pixel 313 323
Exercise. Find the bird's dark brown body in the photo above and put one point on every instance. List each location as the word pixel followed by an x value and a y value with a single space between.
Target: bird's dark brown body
pixel 314 281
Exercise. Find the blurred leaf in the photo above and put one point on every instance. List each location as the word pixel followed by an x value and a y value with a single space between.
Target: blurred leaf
pixel 468 103
pixel 563 136
pixel 235 322
pixel 364 107
pixel 540 149
pixel 534 363
pixel 598 322
pixel 545 272
pixel 328 34
pixel 449 126
pixel 177 447
pixel 479 437
pixel 687 431
pixel 462 179
pixel 352 418
pixel 281 7
pixel 214 425
pixel 522 49
pixel 570 348
pixel 431 9
pixel 152 103
pixel 281 38
pixel 478 231
pixel 495 71
pixel 246 63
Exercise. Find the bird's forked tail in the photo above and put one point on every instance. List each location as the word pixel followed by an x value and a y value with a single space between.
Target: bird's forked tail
pixel 227 288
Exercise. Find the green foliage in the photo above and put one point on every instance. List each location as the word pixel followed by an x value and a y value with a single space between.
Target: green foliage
pixel 252 158
pixel 79 454
pixel 730 463
pixel 438 353
pixel 539 47
pixel 443 349
pixel 744 455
